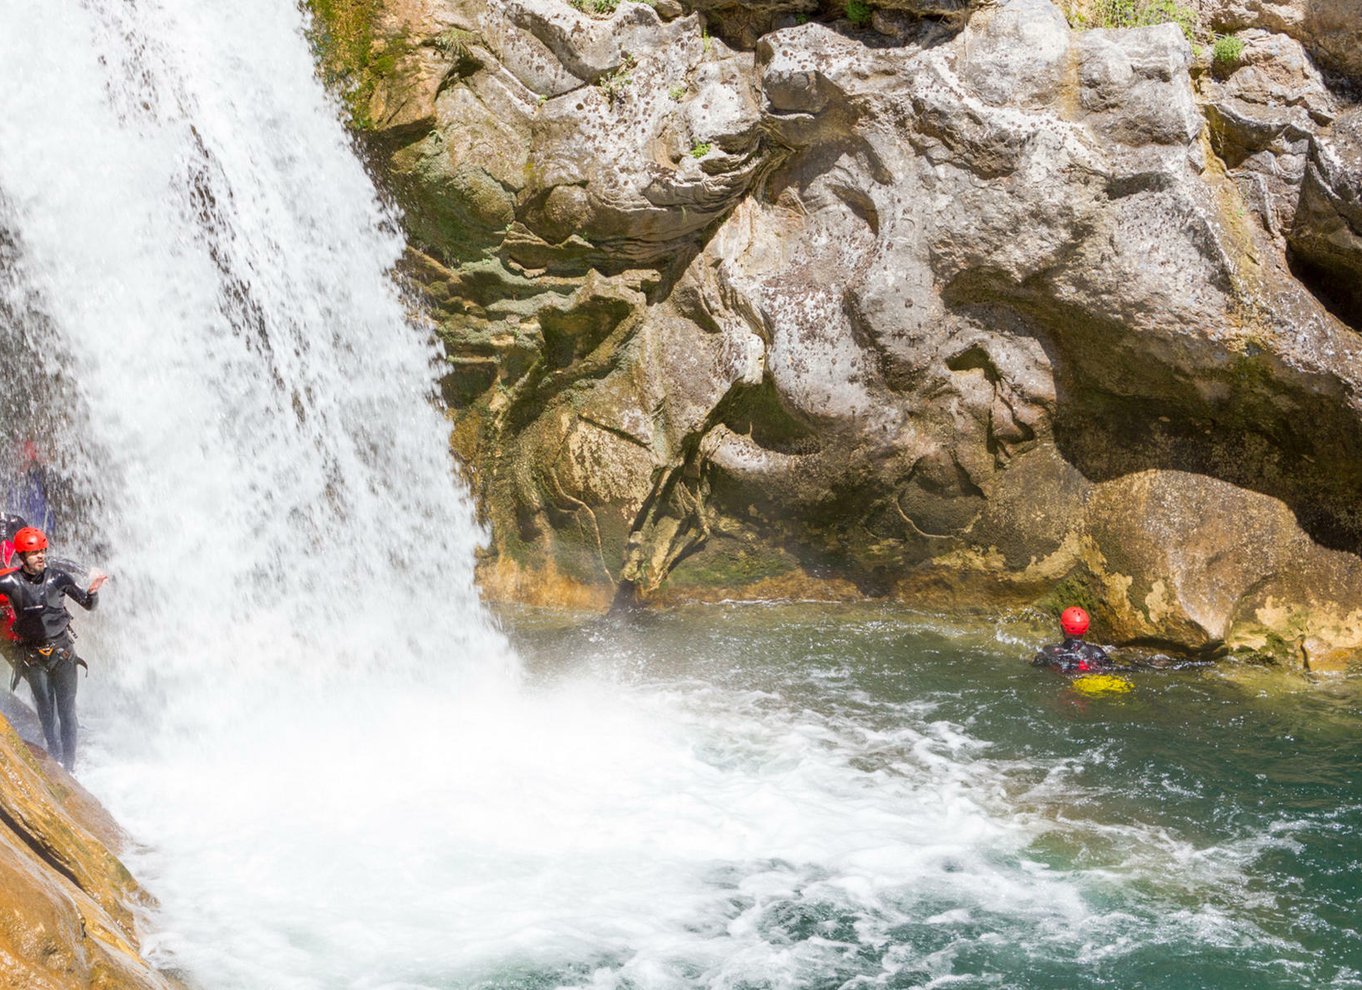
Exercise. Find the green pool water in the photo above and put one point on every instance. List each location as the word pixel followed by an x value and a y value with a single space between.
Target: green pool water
pixel 1199 831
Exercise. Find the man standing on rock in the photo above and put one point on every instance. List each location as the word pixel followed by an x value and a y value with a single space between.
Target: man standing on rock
pixel 42 625
pixel 1073 656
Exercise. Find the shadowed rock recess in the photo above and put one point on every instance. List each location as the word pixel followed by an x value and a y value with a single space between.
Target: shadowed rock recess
pixel 949 302
pixel 67 905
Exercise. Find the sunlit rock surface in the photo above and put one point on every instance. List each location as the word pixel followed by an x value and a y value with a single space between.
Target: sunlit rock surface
pixel 956 304
pixel 67 905
pixel 1330 29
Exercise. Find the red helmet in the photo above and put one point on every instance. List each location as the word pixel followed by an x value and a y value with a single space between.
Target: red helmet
pixel 1074 621
pixel 29 539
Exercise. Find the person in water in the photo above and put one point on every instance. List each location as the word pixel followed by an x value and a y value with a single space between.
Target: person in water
pixel 45 644
pixel 1073 656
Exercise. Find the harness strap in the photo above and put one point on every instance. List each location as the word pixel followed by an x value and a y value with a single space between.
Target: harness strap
pixel 49 655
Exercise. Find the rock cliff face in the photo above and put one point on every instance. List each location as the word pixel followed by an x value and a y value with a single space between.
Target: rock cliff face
pixel 956 303
pixel 66 903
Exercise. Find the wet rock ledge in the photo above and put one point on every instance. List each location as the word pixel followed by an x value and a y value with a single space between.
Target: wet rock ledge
pixel 67 905
pixel 972 304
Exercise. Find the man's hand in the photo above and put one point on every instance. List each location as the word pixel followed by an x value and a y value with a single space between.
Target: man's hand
pixel 99 579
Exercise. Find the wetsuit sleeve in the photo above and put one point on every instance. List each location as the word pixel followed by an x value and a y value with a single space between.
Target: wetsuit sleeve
pixel 1097 655
pixel 85 599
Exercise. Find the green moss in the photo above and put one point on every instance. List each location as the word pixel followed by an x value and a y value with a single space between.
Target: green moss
pixel 858 12
pixel 570 335
pixel 720 565
pixel 1079 589
pixel 460 213
pixel 1275 650
pixel 1251 370
pixel 354 58
pixel 700 148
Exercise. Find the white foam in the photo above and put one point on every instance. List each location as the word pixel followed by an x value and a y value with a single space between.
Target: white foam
pixel 299 708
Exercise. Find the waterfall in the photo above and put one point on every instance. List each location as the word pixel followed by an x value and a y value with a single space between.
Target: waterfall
pixel 201 273
pixel 208 349
pixel 321 746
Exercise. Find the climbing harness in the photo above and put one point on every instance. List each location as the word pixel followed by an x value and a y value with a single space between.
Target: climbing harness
pixel 45 657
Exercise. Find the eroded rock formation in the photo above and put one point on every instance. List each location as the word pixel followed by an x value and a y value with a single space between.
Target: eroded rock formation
pixel 67 905
pixel 959 305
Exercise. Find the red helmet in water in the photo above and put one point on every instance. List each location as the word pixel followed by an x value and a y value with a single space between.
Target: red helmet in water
pixel 29 539
pixel 1074 621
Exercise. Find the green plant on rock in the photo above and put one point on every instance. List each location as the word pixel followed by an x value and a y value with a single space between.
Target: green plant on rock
pixel 677 93
pixel 456 42
pixel 1135 13
pixel 1227 52
pixel 615 83
pixel 457 45
pixel 604 6
pixel 700 148
pixel 858 12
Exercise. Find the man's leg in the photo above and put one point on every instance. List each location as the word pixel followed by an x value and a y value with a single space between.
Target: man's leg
pixel 65 679
pixel 41 683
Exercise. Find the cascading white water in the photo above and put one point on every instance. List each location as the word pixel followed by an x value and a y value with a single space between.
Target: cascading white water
pixel 216 265
pixel 297 706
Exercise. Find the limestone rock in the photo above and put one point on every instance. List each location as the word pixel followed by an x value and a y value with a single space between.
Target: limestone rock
pixel 962 305
pixel 66 903
pixel 1327 234
pixel 1195 578
pixel 1320 655
pixel 1263 117
pixel 1330 29
pixel 1015 53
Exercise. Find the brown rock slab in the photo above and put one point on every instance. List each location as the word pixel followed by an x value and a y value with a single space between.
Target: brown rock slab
pixel 67 905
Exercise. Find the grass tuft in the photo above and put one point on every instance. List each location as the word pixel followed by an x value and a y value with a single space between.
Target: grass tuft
pixel 858 12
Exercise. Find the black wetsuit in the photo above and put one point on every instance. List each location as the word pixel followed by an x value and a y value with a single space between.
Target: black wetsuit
pixel 1073 656
pixel 47 650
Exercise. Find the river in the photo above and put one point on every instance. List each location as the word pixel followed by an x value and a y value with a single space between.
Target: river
pixel 337 769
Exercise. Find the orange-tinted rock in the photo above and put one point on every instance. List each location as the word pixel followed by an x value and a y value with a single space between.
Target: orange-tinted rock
pixel 66 903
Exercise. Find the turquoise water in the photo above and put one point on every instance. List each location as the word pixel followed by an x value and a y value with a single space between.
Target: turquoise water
pixel 1201 831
